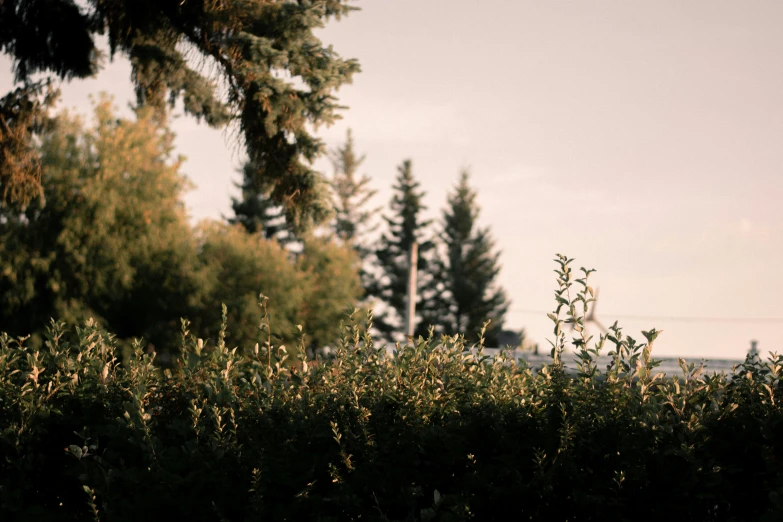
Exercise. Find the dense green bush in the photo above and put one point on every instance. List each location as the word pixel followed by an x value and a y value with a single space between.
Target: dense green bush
pixel 431 431
pixel 312 290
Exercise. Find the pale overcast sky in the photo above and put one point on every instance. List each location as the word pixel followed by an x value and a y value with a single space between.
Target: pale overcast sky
pixel 642 138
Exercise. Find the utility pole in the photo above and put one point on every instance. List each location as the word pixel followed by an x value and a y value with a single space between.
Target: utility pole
pixel 754 350
pixel 410 317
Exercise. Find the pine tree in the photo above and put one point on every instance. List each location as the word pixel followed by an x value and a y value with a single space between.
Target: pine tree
pixel 279 77
pixel 257 212
pixel 353 220
pixel 467 269
pixel 404 227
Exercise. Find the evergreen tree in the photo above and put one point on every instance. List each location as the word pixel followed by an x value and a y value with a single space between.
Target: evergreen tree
pixel 257 212
pixel 278 75
pixel 353 220
pixel 24 115
pixel 466 272
pixel 404 227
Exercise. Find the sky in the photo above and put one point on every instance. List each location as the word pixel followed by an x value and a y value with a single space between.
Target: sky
pixel 642 139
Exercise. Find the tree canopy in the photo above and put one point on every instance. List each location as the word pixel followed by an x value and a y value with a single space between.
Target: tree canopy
pixel 313 291
pixel 252 63
pixel 113 243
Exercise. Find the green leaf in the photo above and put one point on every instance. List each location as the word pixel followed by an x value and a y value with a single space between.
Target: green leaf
pixel 651 335
pixel 76 451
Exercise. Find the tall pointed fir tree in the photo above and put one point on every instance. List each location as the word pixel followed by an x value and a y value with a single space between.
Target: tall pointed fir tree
pixel 257 212
pixel 466 272
pixel 353 220
pixel 405 226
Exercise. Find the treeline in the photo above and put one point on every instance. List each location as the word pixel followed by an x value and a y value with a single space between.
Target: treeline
pixel 458 264
pixel 110 239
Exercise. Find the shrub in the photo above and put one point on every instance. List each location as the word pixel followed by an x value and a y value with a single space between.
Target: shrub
pixel 312 291
pixel 433 430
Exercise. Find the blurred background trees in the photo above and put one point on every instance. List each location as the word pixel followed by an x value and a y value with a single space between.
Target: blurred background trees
pixel 465 272
pixel 257 212
pixel 404 226
pixel 110 239
pixel 92 221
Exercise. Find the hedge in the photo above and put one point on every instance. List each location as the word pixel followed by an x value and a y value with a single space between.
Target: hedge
pixel 431 430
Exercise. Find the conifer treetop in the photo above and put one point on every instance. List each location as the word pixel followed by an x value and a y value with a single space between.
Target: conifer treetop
pixel 352 194
pixel 467 270
pixel 404 226
pixel 257 212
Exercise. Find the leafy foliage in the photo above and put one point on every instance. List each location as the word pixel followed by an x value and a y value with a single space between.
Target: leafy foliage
pixel 435 430
pixel 276 76
pixel 22 115
pixel 239 267
pixel 312 291
pixel 112 241
pixel 332 284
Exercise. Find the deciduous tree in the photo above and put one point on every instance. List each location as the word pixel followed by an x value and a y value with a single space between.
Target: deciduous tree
pixel 112 240
pixel 332 288
pixel 314 291
pixel 113 243
pixel 239 267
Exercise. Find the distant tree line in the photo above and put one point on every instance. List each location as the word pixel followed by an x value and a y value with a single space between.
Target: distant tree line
pixel 91 218
pixel 458 264
pixel 110 239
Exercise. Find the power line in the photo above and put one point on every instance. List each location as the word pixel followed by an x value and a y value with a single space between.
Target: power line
pixel 681 319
